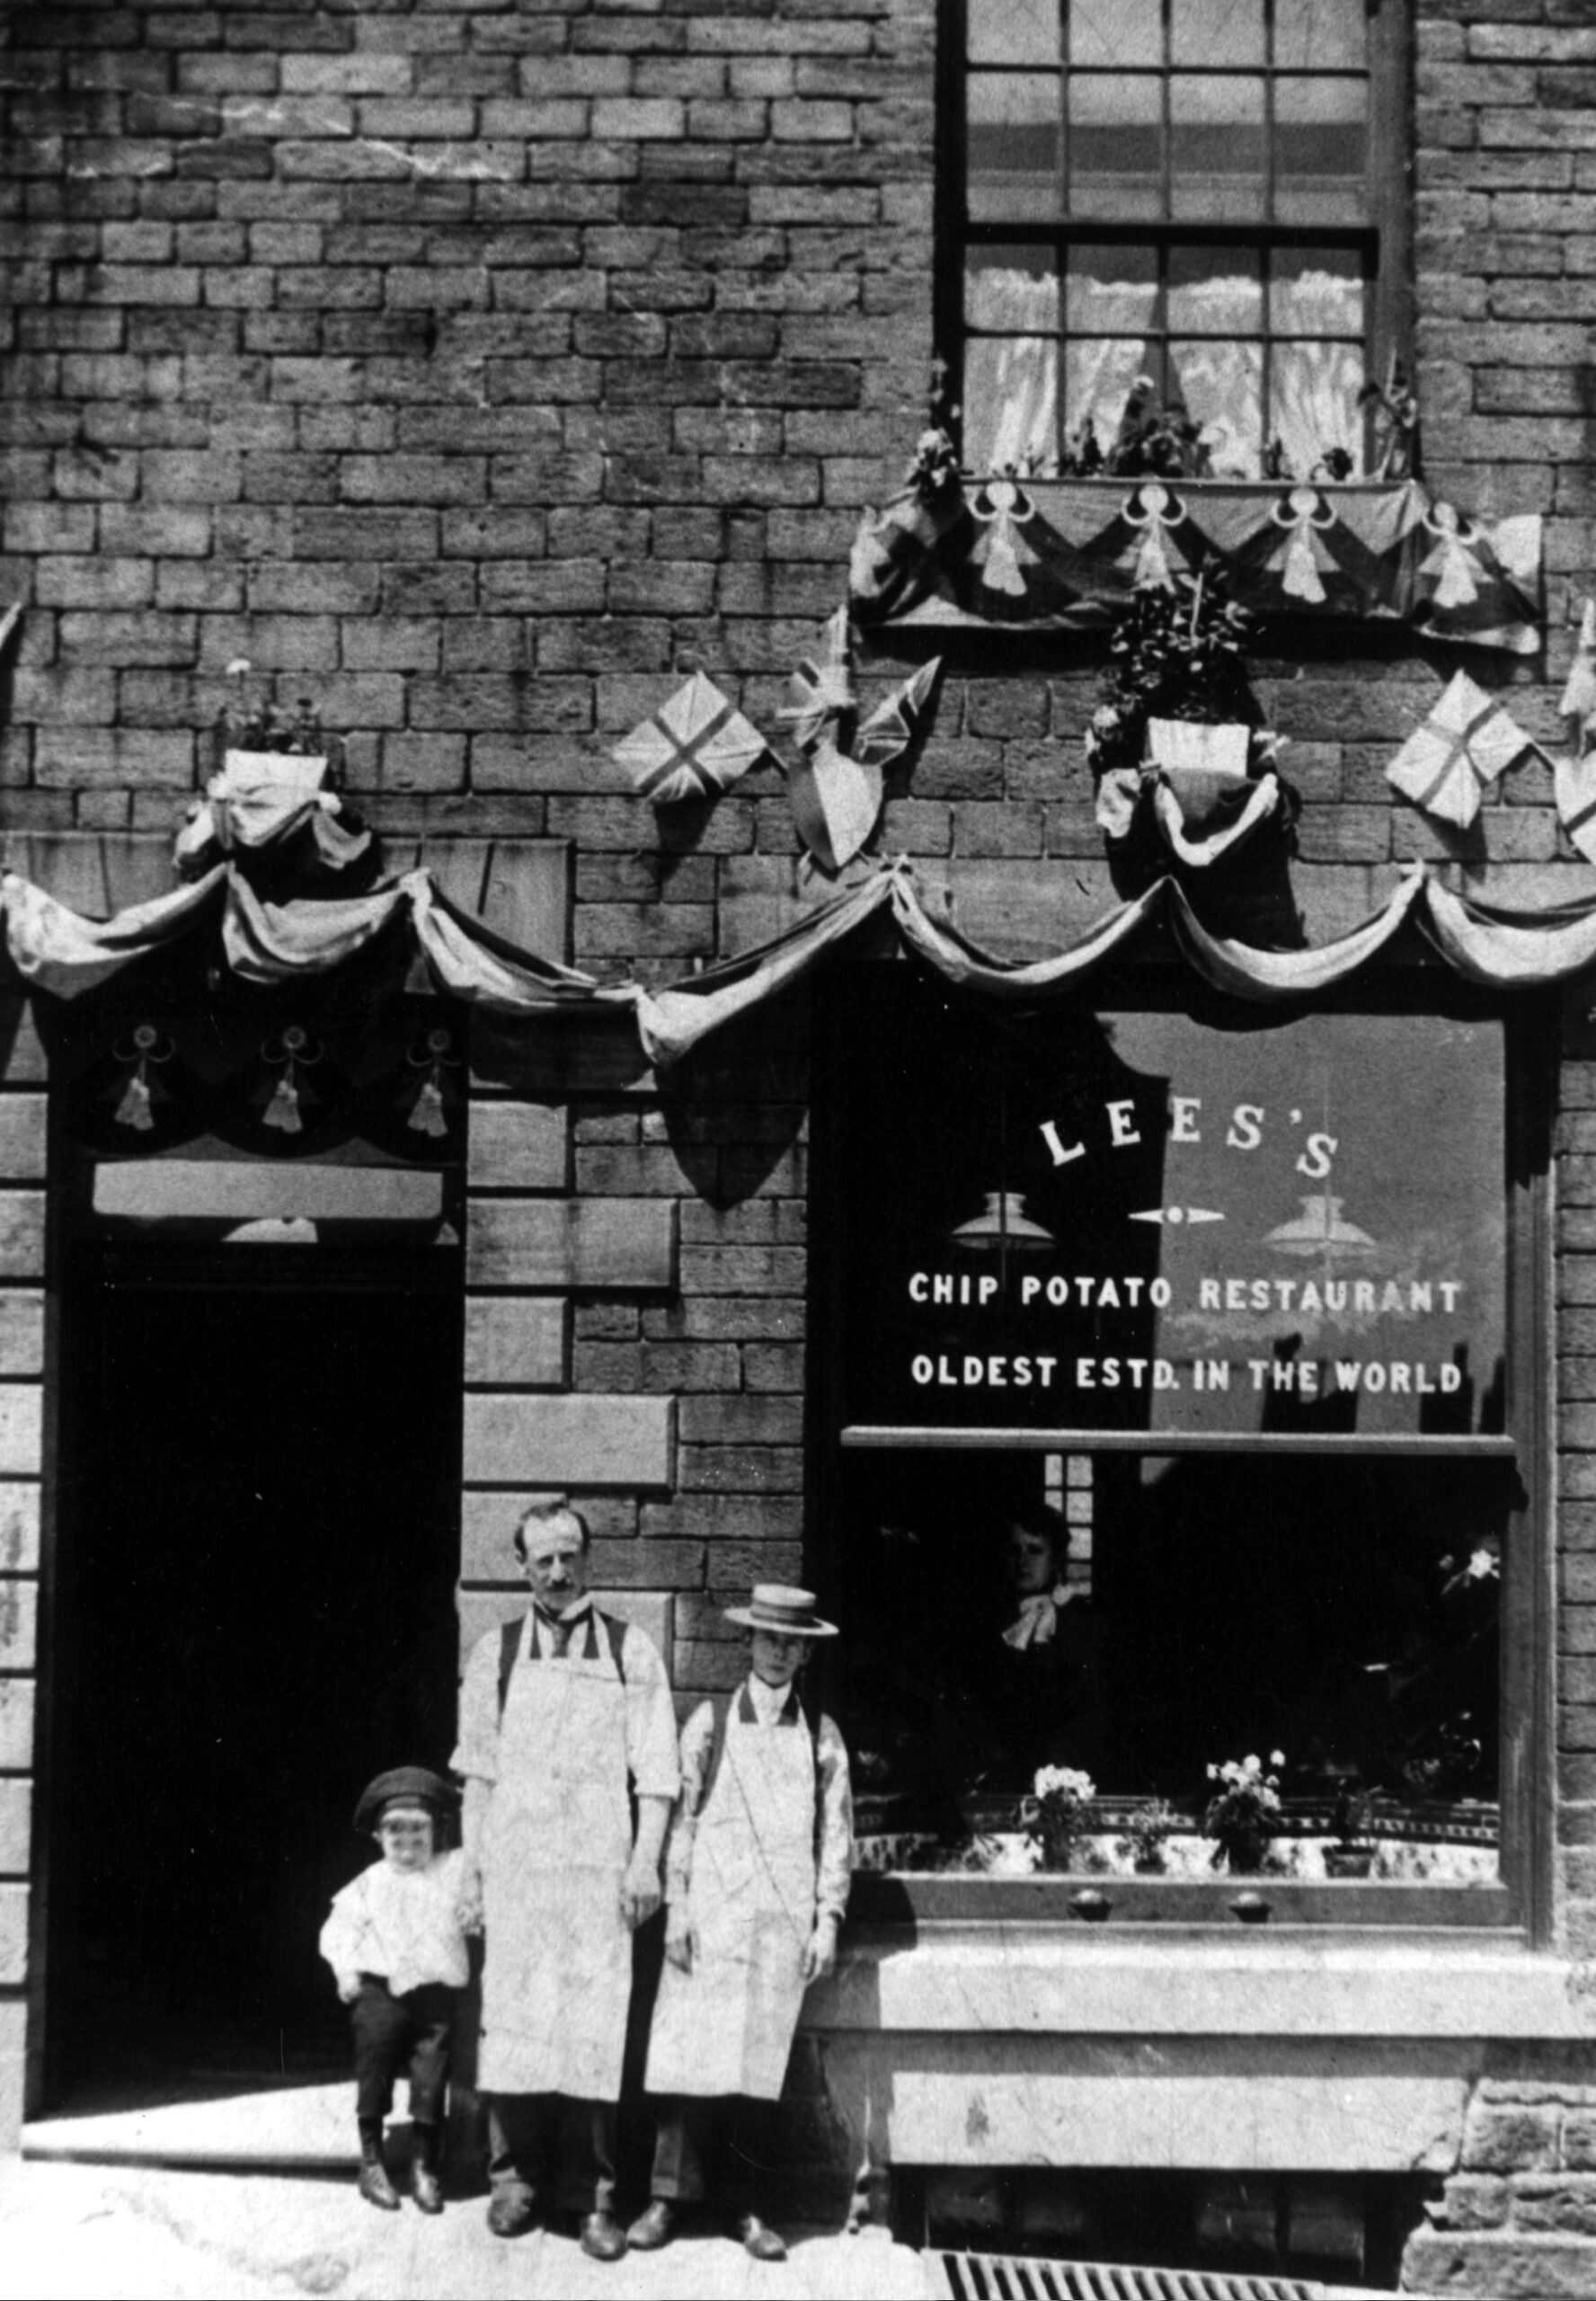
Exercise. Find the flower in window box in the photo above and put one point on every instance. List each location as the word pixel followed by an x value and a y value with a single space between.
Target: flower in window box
pixel 1142 1845
pixel 1058 1815
pixel 1243 1812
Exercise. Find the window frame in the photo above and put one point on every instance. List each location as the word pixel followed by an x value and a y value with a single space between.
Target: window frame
pixel 1520 1904
pixel 1386 239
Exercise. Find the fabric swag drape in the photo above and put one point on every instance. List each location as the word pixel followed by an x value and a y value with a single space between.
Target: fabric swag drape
pixel 57 951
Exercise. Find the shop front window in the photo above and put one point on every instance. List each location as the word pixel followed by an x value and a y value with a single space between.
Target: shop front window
pixel 1169 1418
pixel 1195 205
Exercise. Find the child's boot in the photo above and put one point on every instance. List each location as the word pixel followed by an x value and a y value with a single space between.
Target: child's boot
pixel 425 2144
pixel 374 2185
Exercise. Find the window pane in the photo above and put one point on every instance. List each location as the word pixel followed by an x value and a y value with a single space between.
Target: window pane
pixel 1316 291
pixel 1098 376
pixel 1011 401
pixel 1320 150
pixel 1313 403
pixel 1217 147
pixel 1110 291
pixel 1010 291
pixel 1121 33
pixel 1213 33
pixel 1215 291
pixel 1319 35
pixel 1222 386
pixel 1016 150
pixel 1116 145
pixel 1342 1609
pixel 1014 31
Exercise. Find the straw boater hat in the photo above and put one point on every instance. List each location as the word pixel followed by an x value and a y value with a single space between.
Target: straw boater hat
pixel 402 1785
pixel 789 1612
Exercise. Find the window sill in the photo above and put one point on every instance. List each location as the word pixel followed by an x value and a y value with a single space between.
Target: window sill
pixel 1279 1981
pixel 899 1900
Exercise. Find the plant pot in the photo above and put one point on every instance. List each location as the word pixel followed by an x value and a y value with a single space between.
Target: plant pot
pixel 1245 1854
pixel 247 770
pixel 1059 1850
pixel 1348 1860
pixel 1187 748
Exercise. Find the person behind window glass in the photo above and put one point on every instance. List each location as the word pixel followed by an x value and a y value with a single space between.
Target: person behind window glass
pixel 1039 1666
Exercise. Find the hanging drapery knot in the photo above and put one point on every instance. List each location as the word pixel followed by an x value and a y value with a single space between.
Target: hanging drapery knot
pixel 295 1051
pixel 434 1055
pixel 135 1105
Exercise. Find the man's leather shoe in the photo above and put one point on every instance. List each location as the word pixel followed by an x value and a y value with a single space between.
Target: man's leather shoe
pixel 425 2189
pixel 762 2242
pixel 375 2186
pixel 509 2216
pixel 603 2239
pixel 653 2228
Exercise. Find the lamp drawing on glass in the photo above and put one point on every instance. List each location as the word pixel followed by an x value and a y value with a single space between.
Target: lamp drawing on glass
pixel 1002 1226
pixel 1320 1233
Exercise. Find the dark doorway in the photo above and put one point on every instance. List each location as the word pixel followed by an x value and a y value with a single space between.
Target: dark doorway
pixel 258 1545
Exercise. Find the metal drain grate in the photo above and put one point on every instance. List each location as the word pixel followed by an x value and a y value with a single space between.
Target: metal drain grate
pixel 1008 2276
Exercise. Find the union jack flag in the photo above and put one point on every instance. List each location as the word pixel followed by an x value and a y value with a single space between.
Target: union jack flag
pixel 694 747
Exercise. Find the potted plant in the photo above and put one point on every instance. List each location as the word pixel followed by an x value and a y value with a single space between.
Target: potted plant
pixel 1142 1845
pixel 1184 767
pixel 1351 1856
pixel 1243 1812
pixel 1058 1816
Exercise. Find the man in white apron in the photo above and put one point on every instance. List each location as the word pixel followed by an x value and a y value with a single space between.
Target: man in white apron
pixel 757 1882
pixel 565 1716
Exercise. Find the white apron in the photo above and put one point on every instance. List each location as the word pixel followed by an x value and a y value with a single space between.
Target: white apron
pixel 727 2026
pixel 557 1972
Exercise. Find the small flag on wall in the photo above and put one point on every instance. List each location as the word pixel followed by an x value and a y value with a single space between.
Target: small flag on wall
pixel 887 731
pixel 821 688
pixel 1574 783
pixel 1578 699
pixel 1451 757
pixel 694 747
pixel 835 796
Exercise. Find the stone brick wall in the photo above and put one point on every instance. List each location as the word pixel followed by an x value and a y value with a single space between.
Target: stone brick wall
pixel 479 367
pixel 1520 2215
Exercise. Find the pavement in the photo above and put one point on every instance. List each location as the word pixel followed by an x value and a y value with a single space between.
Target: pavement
pixel 131 2232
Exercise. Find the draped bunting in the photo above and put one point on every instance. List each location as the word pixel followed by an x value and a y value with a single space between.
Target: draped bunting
pixel 59 952
pixel 1074 551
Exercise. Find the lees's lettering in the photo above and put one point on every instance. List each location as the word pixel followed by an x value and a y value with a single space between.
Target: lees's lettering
pixel 1184 1113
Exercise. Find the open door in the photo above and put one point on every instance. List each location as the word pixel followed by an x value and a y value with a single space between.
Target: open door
pixel 257 1543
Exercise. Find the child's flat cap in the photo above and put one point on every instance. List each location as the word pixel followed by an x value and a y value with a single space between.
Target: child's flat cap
pixel 402 1781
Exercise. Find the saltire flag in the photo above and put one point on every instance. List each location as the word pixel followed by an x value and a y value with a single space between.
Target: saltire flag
pixel 821 688
pixel 1464 744
pixel 694 747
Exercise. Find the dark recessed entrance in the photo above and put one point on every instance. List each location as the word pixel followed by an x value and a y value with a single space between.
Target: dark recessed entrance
pixel 258 1540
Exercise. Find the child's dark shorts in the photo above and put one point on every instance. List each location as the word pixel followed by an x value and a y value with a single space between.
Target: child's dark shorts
pixel 409 2033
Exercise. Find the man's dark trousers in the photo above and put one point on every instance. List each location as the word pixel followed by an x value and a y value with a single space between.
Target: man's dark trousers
pixel 534 2136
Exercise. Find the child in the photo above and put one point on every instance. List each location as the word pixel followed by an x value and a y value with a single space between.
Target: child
pixel 757 1883
pixel 395 1946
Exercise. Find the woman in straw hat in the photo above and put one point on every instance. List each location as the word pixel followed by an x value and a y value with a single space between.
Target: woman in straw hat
pixel 756 1882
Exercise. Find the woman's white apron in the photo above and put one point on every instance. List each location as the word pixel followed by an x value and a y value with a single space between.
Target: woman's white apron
pixel 558 1973
pixel 727 2026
